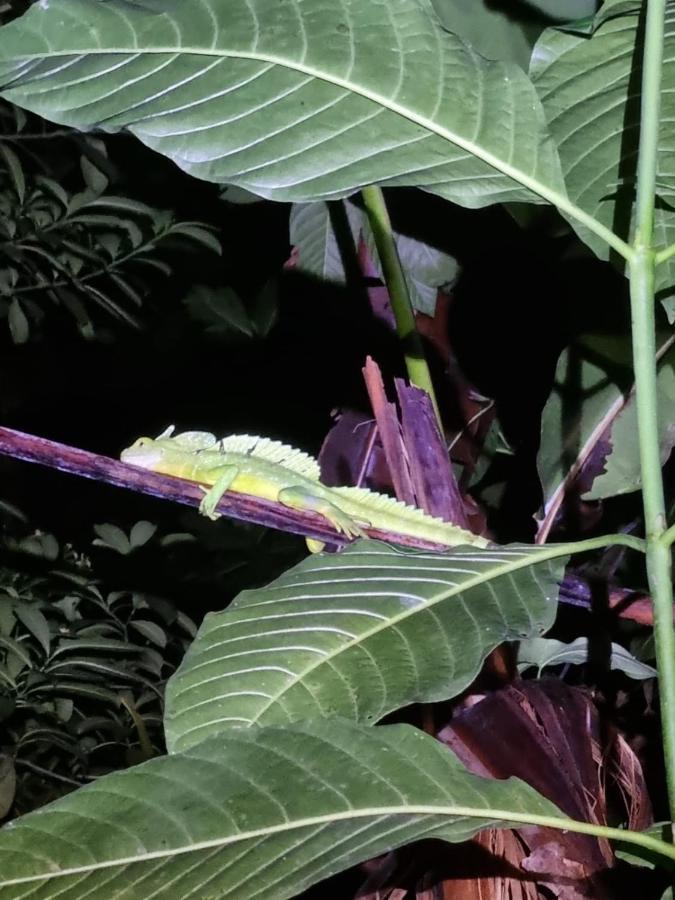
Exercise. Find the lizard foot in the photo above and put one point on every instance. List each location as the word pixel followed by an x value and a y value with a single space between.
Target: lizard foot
pixel 207 507
pixel 342 522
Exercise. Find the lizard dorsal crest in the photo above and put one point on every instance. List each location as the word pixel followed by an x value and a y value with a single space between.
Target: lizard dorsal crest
pixel 385 503
pixel 272 451
pixel 195 440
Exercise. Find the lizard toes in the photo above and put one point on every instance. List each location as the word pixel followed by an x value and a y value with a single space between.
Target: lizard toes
pixel 354 530
pixel 206 510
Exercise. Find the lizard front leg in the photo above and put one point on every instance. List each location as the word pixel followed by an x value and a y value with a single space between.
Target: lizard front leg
pixel 302 499
pixel 225 475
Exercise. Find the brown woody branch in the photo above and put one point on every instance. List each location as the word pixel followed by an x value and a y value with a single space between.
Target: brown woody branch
pixel 34 449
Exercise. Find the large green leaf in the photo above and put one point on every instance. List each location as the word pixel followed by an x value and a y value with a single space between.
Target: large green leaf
pixel 313 235
pixel 565 10
pixel 591 397
pixel 507 31
pixel 542 652
pixel 622 467
pixel 589 86
pixel 291 99
pixel 261 813
pixel 493 32
pixel 358 634
pixel 426 268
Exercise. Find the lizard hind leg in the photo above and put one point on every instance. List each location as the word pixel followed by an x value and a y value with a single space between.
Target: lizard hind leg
pixel 302 499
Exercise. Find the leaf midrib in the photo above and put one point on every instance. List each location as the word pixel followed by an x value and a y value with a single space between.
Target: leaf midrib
pixel 506 568
pixel 497 815
pixel 557 199
pixel 296 824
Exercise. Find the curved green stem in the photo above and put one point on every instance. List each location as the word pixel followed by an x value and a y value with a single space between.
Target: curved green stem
pixel 551 551
pixel 637 838
pixel 665 254
pixel 641 266
pixel 668 537
pixel 413 348
pixel 508 816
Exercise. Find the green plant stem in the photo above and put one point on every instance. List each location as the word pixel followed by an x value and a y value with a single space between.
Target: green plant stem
pixel 406 328
pixel 642 265
pixel 597 543
pixel 554 551
pixel 636 838
pixel 665 254
pixel 143 739
pixel 668 537
pixel 46 773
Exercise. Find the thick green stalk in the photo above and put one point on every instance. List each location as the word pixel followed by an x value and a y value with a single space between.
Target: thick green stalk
pixel 658 554
pixel 642 264
pixel 413 348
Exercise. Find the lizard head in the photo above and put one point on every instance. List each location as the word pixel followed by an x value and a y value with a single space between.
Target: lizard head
pixel 145 452
pixel 148 452
pixel 167 451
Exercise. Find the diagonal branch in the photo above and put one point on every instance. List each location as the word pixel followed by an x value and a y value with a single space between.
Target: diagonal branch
pixel 34 449
pixel 30 448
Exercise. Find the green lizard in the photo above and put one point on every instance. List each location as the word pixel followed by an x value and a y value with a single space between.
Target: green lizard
pixel 271 470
